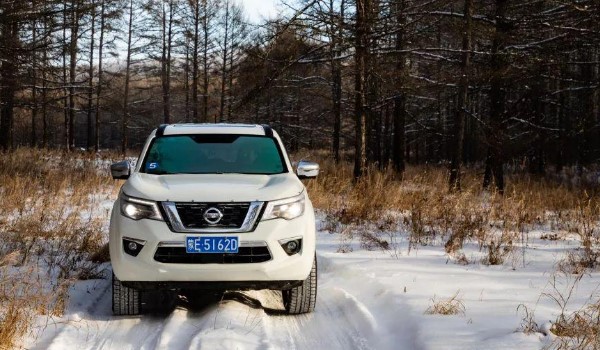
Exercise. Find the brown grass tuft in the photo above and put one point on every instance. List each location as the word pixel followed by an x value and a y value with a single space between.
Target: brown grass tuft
pixel 102 255
pixel 426 213
pixel 50 227
pixel 528 324
pixel 449 306
pixel 578 330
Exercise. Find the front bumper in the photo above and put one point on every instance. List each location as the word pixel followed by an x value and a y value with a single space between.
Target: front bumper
pixel 218 285
pixel 281 268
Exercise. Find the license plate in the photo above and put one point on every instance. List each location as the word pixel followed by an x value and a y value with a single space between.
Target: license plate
pixel 213 244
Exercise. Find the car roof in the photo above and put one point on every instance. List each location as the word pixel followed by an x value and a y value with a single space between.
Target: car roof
pixel 221 128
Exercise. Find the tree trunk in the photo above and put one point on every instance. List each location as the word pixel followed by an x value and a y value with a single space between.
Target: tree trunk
pixel 125 118
pixel 99 87
pixel 399 115
pixel 336 77
pixel 205 73
pixel 487 173
pixel 166 61
pixel 195 68
pixel 336 88
pixel 186 82
pixel 373 120
pixel 363 8
pixel 387 141
pixel 64 76
pixel 373 117
pixel 461 108
pixel 224 70
pixel 90 127
pixel 44 96
pixel 378 138
pixel 9 40
pixel 44 71
pixel 536 159
pixel 230 76
pixel 34 68
pixel 73 69
pixel 497 97
pixel 585 143
pixel 560 116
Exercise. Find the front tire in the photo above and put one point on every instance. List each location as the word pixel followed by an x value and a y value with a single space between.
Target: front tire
pixel 302 299
pixel 125 300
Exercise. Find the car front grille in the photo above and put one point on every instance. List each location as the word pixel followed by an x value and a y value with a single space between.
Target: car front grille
pixel 245 255
pixel 192 214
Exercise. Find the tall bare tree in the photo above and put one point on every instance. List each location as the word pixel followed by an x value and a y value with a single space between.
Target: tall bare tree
pixel 100 74
pixel 399 112
pixel 495 133
pixel 75 13
pixel 166 61
pixel 9 46
pixel 362 69
pixel 90 93
pixel 463 90
pixel 126 116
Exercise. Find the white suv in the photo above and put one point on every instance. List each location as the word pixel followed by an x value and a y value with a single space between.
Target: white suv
pixel 213 206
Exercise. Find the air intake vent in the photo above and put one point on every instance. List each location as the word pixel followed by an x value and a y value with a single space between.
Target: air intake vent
pixel 245 255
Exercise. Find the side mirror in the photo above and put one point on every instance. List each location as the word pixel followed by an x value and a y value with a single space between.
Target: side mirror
pixel 307 170
pixel 120 170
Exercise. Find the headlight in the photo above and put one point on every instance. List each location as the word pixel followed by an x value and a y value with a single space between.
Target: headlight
pixel 137 209
pixel 288 208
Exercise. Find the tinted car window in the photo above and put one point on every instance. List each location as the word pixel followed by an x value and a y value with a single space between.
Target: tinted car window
pixel 210 154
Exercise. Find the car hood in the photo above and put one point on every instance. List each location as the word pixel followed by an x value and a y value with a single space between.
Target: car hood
pixel 213 187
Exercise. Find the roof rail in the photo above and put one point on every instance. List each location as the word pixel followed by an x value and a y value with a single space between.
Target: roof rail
pixel 161 130
pixel 268 130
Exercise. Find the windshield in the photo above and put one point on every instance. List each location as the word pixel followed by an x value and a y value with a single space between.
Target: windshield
pixel 213 154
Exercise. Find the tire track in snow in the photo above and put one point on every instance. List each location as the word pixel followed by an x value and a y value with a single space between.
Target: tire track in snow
pixel 237 322
pixel 353 312
pixel 380 314
pixel 89 323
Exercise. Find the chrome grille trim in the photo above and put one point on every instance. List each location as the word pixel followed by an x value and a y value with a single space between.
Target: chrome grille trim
pixel 247 225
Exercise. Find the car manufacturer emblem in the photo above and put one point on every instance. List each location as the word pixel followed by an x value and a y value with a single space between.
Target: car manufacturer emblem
pixel 212 216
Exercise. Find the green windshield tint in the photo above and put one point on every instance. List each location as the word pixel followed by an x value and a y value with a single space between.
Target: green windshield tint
pixel 209 154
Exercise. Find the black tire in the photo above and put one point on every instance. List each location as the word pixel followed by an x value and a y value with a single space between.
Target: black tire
pixel 302 299
pixel 125 300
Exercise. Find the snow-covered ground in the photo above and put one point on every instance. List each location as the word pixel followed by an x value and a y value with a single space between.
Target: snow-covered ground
pixel 366 300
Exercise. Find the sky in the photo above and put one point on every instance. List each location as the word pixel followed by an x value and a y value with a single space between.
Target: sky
pixel 258 9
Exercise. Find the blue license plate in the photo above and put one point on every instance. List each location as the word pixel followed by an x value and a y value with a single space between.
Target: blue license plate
pixel 212 244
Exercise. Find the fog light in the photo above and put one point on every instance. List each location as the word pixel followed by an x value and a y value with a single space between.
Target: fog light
pixel 133 246
pixel 291 246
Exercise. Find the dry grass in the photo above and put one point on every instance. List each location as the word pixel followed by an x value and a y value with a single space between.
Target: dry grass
pixel 578 329
pixel 446 307
pixel 428 214
pixel 50 227
pixel 528 324
pixel 423 209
